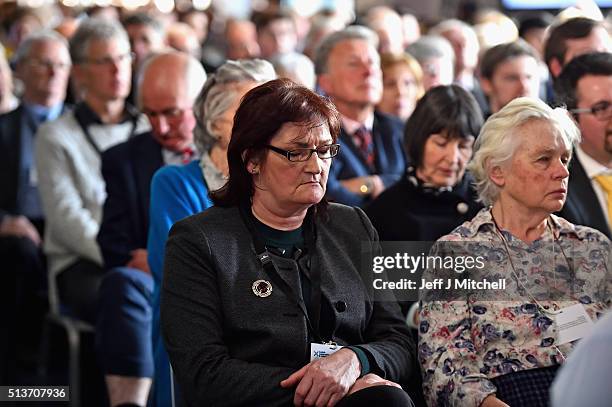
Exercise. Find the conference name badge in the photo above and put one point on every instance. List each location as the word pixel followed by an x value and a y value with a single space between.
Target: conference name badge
pixel 322 350
pixel 573 323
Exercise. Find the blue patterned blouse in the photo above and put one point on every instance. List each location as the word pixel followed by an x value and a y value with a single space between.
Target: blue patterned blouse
pixel 465 342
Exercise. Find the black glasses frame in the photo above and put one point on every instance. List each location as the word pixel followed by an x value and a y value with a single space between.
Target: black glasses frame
pixel 292 155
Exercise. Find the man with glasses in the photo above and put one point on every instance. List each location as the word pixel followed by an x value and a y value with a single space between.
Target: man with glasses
pixel 43 65
pixel 168 87
pixel 585 86
pixel 68 156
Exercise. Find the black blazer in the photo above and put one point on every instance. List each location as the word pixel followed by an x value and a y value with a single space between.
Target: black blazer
pixel 582 206
pixel 13 127
pixel 10 159
pixel 390 161
pixel 411 212
pixel 127 169
pixel 230 347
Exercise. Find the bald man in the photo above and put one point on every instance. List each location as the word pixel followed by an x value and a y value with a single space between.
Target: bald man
pixel 168 87
pixel 182 37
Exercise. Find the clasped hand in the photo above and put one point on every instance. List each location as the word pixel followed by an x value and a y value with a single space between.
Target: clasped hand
pixel 324 382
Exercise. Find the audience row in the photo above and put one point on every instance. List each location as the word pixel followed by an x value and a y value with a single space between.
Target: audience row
pixel 191 201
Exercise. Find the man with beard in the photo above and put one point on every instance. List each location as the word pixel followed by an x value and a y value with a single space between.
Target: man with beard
pixel 371 154
pixel 585 86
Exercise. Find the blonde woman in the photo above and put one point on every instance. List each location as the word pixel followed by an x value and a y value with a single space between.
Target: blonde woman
pixel 402 85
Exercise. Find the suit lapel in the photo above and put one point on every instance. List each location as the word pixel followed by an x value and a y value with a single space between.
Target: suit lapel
pixel 378 132
pixel 10 134
pixel 348 141
pixel 583 198
pixel 146 159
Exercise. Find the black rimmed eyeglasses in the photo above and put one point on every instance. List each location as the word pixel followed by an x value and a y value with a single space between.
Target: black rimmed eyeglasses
pixel 304 154
pixel 602 110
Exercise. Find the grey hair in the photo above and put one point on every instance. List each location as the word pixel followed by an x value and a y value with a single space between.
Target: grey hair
pixel 431 46
pixel 94 29
pixel 498 141
pixel 194 73
pixel 354 32
pixel 295 66
pixel 452 24
pixel 219 92
pixel 319 26
pixel 23 52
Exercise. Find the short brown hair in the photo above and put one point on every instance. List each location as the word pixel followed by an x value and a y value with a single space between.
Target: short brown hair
pixel 573 28
pixel 265 18
pixel 261 114
pixel 501 53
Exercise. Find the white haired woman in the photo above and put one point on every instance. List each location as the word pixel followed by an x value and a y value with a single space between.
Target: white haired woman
pixel 181 191
pixel 503 347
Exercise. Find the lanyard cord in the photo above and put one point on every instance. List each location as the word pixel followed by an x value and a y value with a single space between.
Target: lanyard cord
pixel 543 309
pixel 270 268
pixel 507 248
pixel 78 115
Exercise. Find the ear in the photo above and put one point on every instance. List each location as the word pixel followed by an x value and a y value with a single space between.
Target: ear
pixel 325 83
pixel 252 166
pixel 555 67
pixel 78 73
pixel 19 71
pixel 215 128
pixel 497 176
pixel 486 86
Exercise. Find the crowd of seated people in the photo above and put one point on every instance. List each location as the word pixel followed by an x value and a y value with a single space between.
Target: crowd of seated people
pixel 202 188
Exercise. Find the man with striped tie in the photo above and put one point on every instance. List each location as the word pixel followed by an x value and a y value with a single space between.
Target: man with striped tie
pixel 371 155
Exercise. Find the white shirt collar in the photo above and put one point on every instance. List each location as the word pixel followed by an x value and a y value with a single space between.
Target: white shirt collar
pixel 591 167
pixel 351 126
pixel 174 158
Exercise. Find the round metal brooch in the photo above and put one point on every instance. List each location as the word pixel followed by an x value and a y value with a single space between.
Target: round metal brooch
pixel 262 288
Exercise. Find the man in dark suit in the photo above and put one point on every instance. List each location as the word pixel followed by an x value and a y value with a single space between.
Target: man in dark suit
pixel 371 156
pixel 43 65
pixel 167 90
pixel 585 86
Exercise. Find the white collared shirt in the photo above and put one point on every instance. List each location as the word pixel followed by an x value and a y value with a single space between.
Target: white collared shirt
pixel 174 158
pixel 350 126
pixel 592 169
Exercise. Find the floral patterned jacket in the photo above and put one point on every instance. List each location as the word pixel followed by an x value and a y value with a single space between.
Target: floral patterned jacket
pixel 465 342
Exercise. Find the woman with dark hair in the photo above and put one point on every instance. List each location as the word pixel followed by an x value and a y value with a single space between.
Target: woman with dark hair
pixel 259 287
pixel 502 347
pixel 436 194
